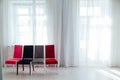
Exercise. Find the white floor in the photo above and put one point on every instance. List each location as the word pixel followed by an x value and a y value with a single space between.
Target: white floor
pixel 72 73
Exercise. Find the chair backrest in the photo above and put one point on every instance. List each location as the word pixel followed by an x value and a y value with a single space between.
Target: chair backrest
pixel 18 51
pixel 28 51
pixel 39 51
pixel 50 51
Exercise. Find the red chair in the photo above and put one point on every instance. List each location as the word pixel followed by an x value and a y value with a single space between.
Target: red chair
pixel 50 54
pixel 16 56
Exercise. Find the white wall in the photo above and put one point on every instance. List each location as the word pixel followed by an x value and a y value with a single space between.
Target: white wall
pixel 0 23
pixel 116 33
pixel 0 68
pixel 0 41
pixel 1 30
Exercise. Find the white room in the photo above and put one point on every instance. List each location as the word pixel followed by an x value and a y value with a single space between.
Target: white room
pixel 77 39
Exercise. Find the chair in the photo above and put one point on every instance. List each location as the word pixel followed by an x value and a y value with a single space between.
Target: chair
pixel 27 57
pixel 38 56
pixel 50 55
pixel 16 56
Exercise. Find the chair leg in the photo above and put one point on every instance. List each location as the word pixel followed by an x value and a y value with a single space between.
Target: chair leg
pixel 5 66
pixel 57 68
pixel 44 68
pixel 33 67
pixel 17 69
pixel 23 67
pixel 30 69
pixel 55 65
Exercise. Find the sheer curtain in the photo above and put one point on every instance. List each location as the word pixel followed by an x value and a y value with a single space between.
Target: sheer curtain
pixel 69 34
pixel 28 22
pixel 80 29
pixel 86 33
pixel 95 37
pixel 31 21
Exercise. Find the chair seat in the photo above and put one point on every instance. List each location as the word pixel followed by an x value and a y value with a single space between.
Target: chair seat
pixel 51 61
pixel 12 61
pixel 24 61
pixel 38 61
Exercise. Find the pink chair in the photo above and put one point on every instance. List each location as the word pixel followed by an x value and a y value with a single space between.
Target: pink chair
pixel 16 56
pixel 50 54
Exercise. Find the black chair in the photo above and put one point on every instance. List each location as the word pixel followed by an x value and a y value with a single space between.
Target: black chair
pixel 38 56
pixel 27 57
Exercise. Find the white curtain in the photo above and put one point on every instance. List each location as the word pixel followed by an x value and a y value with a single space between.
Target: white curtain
pixel 28 22
pixel 82 30
pixel 96 43
pixel 31 21
pixel 86 33
pixel 69 34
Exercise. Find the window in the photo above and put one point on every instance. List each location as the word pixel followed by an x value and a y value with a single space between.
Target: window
pixel 96 28
pixel 28 22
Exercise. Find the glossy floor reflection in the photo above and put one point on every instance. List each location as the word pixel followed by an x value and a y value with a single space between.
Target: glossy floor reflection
pixel 73 73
